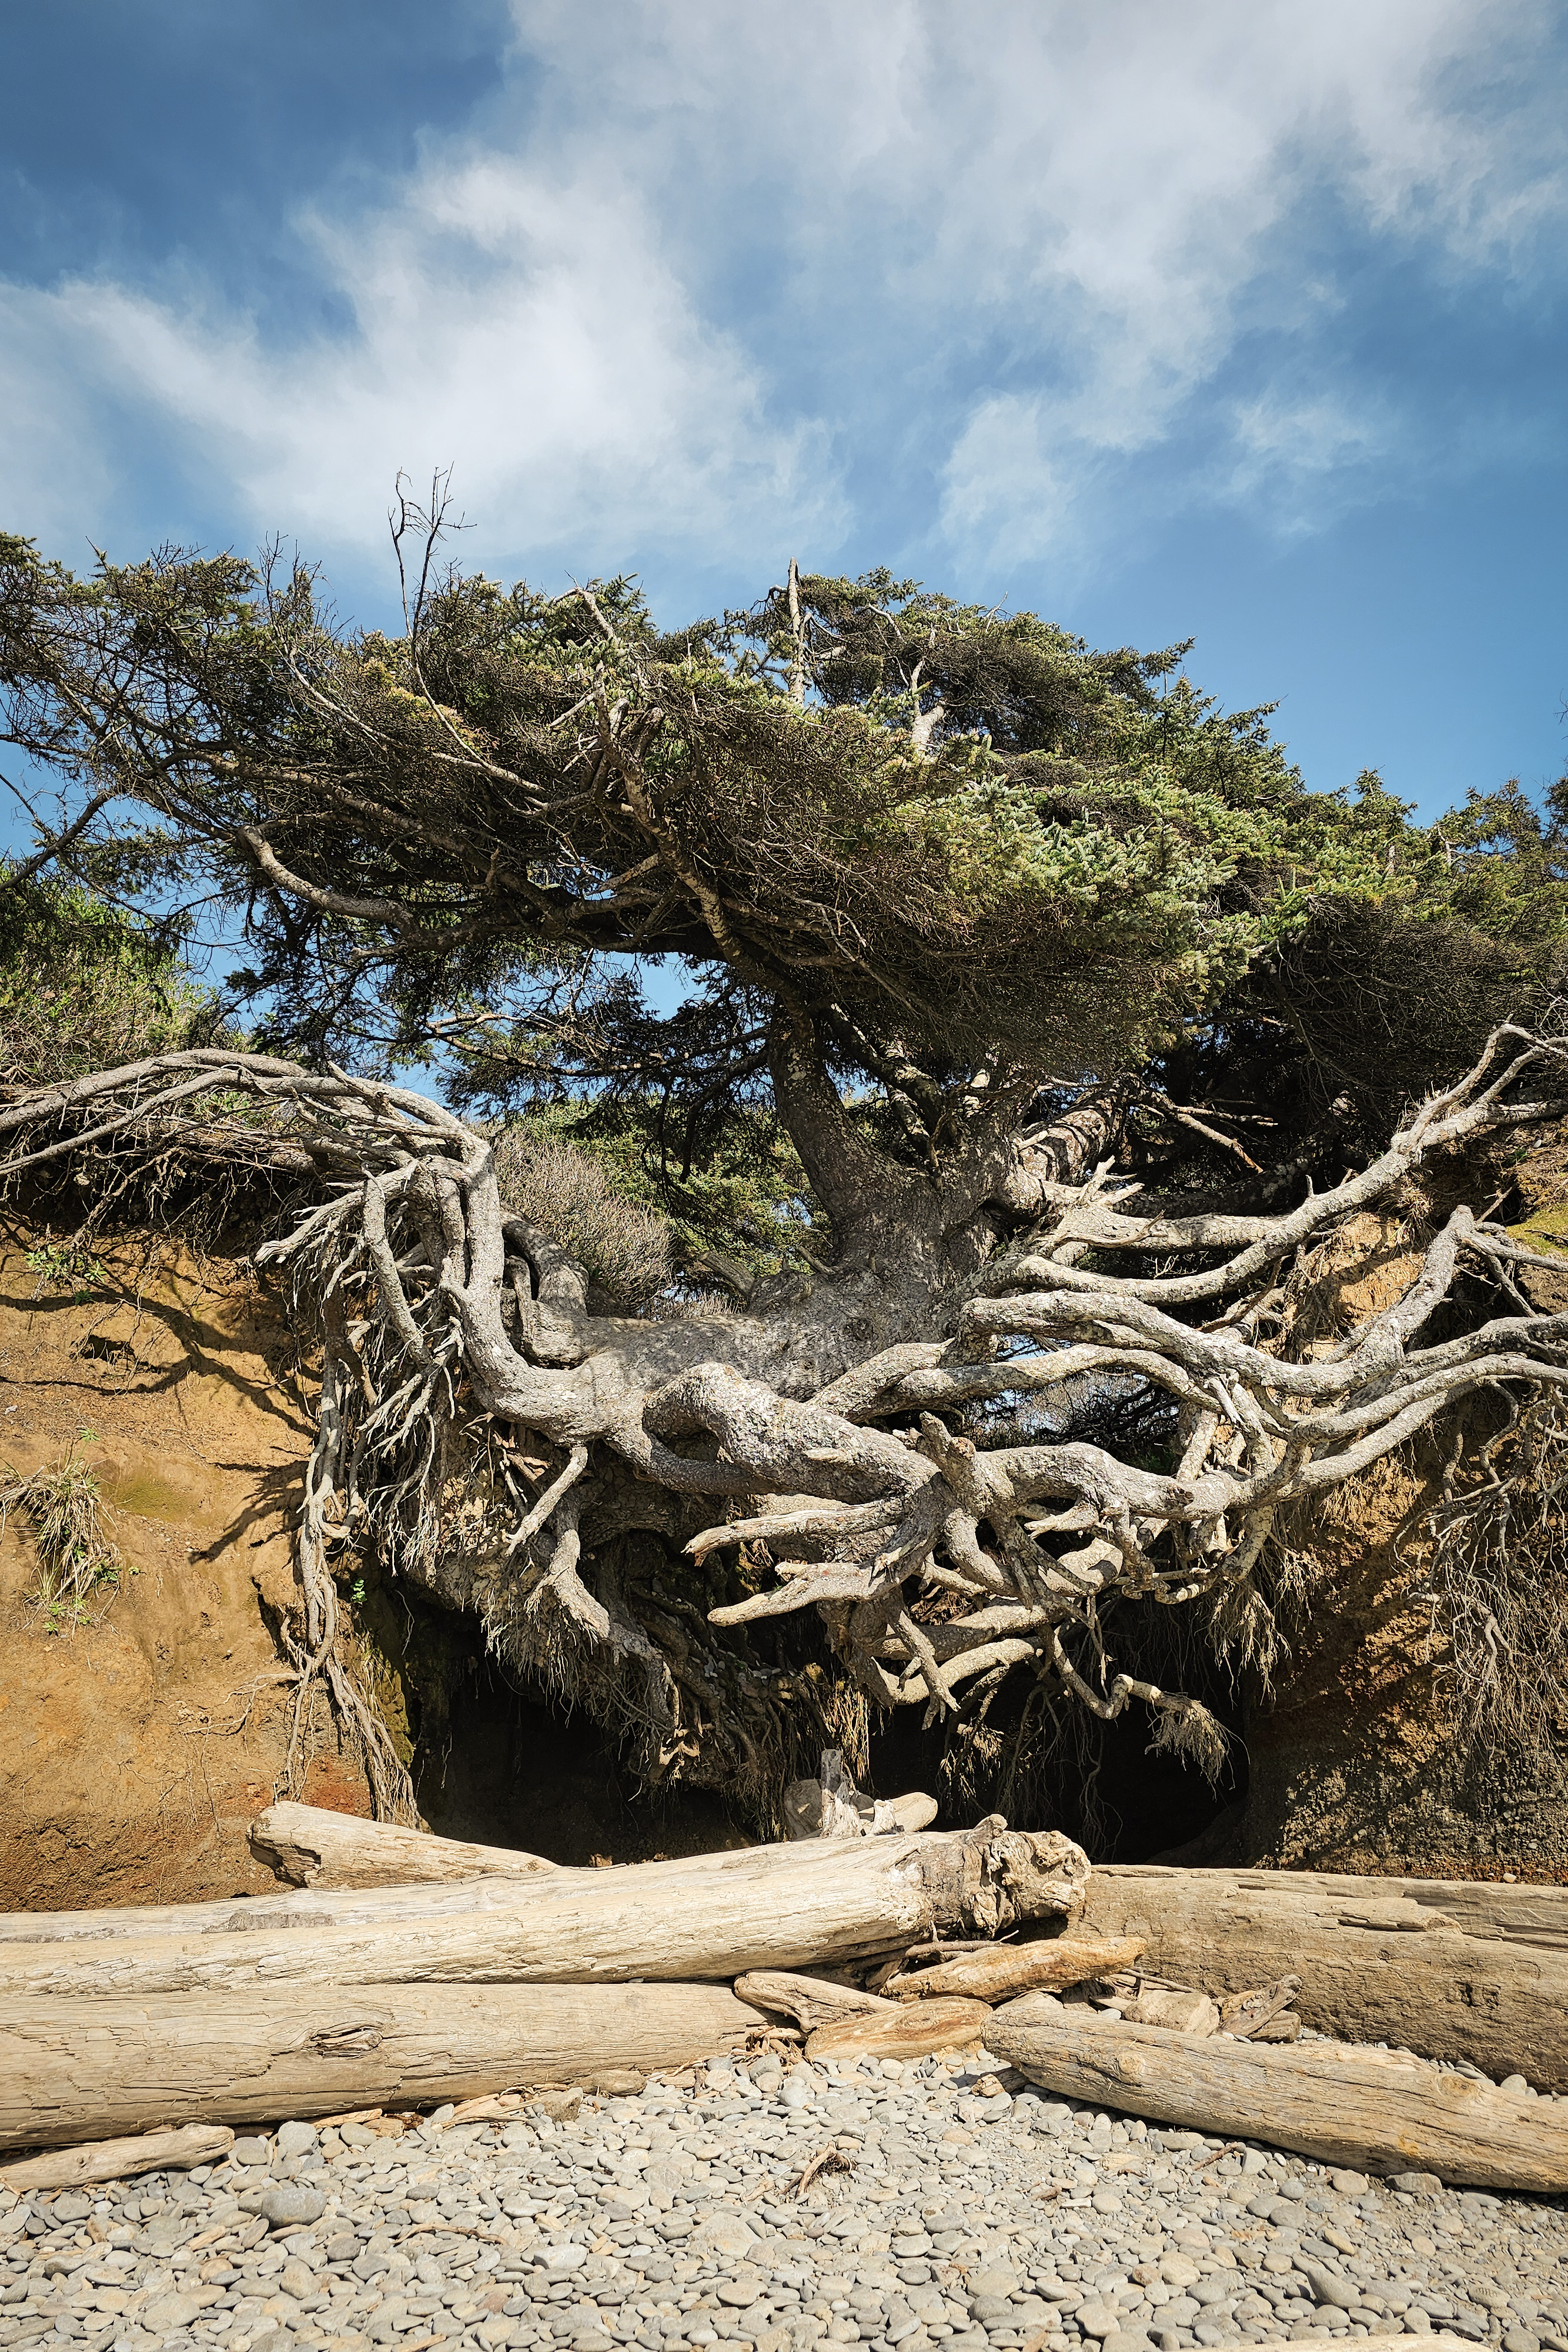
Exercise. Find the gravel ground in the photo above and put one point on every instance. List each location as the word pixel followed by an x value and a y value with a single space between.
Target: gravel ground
pixel 958 2206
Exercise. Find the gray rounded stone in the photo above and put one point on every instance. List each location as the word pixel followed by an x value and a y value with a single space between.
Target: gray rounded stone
pixel 288 2200
pixel 1328 2289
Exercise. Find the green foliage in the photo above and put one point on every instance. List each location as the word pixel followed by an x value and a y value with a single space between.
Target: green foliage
pixel 938 837
pixel 746 1196
pixel 66 1265
pixel 84 987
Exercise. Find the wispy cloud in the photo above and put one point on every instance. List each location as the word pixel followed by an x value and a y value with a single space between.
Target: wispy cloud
pixel 710 279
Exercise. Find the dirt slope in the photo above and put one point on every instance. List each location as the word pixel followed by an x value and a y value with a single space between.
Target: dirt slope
pixel 133 1750
pixel 1363 1755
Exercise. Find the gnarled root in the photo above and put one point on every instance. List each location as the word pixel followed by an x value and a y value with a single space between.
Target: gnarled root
pixel 939 1566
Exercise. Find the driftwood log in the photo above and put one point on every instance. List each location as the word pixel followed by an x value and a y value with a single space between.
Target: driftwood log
pixel 1008 1969
pixel 764 1906
pixel 905 2028
pixel 119 2160
pixel 317 1907
pixel 1365 2108
pixel 309 1847
pixel 1445 1969
pixel 844 2022
pixel 810 2001
pixel 76 2070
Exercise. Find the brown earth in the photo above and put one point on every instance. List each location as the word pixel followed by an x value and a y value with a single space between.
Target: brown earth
pixel 134 1749
pixel 1358 1754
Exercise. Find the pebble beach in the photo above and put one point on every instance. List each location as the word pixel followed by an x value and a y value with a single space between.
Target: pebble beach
pixel 938 2201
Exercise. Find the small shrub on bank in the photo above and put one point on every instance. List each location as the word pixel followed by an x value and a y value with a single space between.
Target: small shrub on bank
pixel 623 1248
pixel 83 988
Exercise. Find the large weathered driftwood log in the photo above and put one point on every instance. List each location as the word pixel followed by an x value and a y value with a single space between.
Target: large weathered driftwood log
pixel 1448 1969
pixel 309 1847
pixel 765 1907
pixel 121 2160
pixel 75 2070
pixel 315 1907
pixel 1365 2108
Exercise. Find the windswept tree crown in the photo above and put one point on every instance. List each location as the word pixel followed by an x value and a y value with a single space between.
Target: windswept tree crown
pixel 948 847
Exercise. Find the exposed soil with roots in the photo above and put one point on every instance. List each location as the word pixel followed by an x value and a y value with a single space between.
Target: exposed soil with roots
pixel 736 1538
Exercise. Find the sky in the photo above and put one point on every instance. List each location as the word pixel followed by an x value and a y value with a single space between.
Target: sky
pixel 1232 320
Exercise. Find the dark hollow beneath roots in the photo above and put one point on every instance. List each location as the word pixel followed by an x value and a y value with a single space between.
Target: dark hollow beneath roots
pixel 497 1756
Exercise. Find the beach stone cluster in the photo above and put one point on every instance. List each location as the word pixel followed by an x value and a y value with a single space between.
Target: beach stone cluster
pixel 946 2202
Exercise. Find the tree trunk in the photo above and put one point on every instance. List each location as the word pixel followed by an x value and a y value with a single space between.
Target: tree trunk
pixel 767 1907
pixel 309 1847
pixel 1456 1971
pixel 77 2070
pixel 1359 2108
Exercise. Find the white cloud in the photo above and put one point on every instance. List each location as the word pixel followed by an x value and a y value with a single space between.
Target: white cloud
pixel 533 336
pixel 699 266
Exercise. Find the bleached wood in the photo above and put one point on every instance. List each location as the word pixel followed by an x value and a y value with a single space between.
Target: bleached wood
pixel 905 2028
pixel 75 2070
pixel 810 2001
pixel 844 2022
pixel 119 2160
pixel 1009 1968
pixel 318 1907
pixel 770 1906
pixel 1363 2108
pixel 310 1847
pixel 1447 1969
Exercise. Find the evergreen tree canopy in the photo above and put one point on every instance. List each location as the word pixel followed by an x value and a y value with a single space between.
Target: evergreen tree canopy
pixel 955 846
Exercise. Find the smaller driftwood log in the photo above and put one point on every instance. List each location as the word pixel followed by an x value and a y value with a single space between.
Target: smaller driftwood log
pixel 1009 1968
pixel 119 2160
pixel 309 1847
pixel 844 2022
pixel 1365 2108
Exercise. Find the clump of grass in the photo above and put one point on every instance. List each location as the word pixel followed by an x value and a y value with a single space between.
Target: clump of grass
pixel 77 1559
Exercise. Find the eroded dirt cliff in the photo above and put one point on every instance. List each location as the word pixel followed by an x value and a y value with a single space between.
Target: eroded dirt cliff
pixel 134 1748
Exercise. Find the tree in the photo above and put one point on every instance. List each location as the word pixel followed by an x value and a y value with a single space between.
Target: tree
pixel 1049 1017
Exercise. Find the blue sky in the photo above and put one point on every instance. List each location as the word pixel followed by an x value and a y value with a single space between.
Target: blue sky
pixel 1234 320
